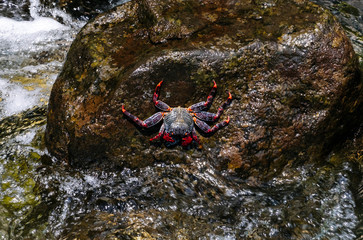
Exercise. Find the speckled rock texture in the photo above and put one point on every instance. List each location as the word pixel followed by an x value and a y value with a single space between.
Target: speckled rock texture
pixel 350 14
pixel 288 64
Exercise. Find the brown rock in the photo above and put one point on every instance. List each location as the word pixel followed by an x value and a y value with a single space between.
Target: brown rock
pixel 289 66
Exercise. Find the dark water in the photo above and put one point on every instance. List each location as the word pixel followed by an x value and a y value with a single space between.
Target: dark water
pixel 42 198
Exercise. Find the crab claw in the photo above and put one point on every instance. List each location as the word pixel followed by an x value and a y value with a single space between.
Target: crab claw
pixel 159 84
pixel 167 138
pixel 187 140
pixel 229 96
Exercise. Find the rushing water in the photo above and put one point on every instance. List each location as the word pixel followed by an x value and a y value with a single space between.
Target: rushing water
pixel 42 198
pixel 31 55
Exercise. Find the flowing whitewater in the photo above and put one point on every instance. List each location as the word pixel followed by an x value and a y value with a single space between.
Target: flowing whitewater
pixel 31 55
pixel 42 198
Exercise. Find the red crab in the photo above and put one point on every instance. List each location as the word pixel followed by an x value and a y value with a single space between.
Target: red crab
pixel 179 122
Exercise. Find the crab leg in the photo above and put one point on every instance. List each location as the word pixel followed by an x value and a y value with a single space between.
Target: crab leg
pixel 195 137
pixel 161 132
pixel 160 104
pixel 149 122
pixel 189 138
pixel 206 128
pixel 211 117
pixel 204 105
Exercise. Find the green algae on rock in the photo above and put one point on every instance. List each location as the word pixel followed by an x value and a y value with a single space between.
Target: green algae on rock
pixel 20 122
pixel 289 66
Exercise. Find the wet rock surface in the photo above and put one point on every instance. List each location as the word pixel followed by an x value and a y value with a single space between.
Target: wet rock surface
pixel 194 201
pixel 291 70
pixel 350 15
pixel 351 151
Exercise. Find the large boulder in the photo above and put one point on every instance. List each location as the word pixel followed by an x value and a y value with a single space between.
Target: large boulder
pixel 288 64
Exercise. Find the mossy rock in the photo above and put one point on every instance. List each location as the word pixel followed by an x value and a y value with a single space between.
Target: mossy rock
pixel 290 68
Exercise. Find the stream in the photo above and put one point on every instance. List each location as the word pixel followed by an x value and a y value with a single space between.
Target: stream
pixel 43 198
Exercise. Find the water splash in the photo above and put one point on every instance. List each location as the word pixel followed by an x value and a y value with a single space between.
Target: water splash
pixel 31 55
pixel 196 201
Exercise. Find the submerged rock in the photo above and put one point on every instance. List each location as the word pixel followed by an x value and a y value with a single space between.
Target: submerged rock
pixel 18 123
pixel 289 66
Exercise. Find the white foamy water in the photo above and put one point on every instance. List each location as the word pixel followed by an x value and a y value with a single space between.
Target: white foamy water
pixel 13 29
pixel 20 43
pixel 29 36
pixel 15 98
pixel 31 56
